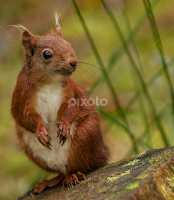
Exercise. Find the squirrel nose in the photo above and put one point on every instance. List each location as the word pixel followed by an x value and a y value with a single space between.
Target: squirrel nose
pixel 73 63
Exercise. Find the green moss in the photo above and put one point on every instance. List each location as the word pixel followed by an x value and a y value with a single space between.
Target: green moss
pixel 89 184
pixel 133 162
pixel 152 161
pixel 163 187
pixel 167 152
pixel 133 186
pixel 104 189
pixel 82 182
pixel 141 154
pixel 168 173
pixel 99 179
pixel 82 196
pixel 126 173
pixel 171 181
pixel 113 196
pixel 115 177
pixel 142 176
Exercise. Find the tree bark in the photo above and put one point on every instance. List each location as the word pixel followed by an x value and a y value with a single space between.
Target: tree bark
pixel 147 176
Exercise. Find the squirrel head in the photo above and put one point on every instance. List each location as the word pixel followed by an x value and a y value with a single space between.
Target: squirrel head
pixel 49 54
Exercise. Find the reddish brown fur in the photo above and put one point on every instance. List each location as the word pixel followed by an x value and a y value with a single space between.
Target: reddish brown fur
pixel 87 137
pixel 87 151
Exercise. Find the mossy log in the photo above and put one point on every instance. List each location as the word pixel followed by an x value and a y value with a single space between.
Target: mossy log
pixel 149 176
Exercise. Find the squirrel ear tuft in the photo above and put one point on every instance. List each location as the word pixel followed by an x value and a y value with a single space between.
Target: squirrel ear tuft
pixel 58 28
pixel 20 27
pixel 28 40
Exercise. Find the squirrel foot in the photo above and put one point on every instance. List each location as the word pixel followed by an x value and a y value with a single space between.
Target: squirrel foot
pixel 73 179
pixel 64 131
pixel 39 187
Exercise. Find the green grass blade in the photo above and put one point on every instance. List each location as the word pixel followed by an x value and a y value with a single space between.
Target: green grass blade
pixel 105 73
pixel 117 55
pixel 155 32
pixel 145 133
pixel 149 83
pixel 161 114
pixel 114 120
pixel 107 128
pixel 141 103
pixel 115 24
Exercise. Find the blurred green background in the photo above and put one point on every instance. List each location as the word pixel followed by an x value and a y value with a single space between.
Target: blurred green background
pixel 125 62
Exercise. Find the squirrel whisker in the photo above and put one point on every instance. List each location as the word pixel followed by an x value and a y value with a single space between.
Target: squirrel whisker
pixel 86 67
pixel 79 52
pixel 84 55
pixel 85 63
pixel 76 39
pixel 88 72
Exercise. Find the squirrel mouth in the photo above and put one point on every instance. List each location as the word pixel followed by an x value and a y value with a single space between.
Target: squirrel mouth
pixel 64 72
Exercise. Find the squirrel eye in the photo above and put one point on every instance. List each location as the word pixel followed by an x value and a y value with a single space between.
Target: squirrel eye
pixel 47 54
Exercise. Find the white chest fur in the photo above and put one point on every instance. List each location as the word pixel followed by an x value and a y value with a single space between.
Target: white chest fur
pixel 49 102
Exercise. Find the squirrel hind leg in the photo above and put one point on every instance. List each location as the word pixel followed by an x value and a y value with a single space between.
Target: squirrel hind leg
pixel 39 187
pixel 72 179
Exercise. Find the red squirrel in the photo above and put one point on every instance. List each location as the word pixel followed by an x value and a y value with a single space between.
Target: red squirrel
pixel 57 137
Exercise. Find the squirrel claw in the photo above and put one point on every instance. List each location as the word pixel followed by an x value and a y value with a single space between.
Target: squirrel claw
pixel 75 182
pixel 63 142
pixel 49 148
pixel 70 185
pixel 49 137
pixel 64 131
pixel 71 180
pixel 43 136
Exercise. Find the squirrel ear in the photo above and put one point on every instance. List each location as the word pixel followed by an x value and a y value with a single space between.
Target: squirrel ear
pixel 28 40
pixel 58 28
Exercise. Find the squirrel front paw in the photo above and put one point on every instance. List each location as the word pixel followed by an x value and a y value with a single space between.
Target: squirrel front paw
pixel 64 131
pixel 43 136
